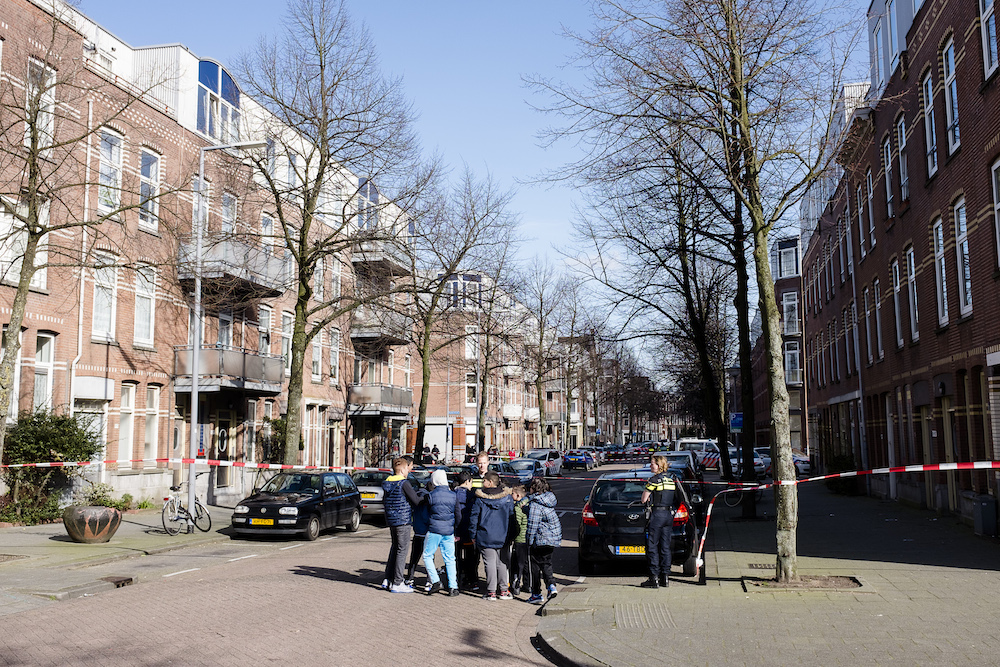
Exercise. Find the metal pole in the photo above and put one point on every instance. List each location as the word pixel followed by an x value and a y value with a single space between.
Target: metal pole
pixel 196 337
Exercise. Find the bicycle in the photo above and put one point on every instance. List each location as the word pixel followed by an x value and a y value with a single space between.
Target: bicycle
pixel 735 498
pixel 176 516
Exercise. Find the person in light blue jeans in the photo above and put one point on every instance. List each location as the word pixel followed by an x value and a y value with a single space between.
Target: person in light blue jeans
pixel 445 515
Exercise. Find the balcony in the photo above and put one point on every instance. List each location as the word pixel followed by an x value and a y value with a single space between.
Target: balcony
pixel 385 257
pixel 513 411
pixel 224 368
pixel 372 324
pixel 531 414
pixel 237 267
pixel 378 400
pixel 512 370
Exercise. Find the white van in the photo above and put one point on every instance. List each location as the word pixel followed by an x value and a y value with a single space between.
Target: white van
pixel 550 458
pixel 706 450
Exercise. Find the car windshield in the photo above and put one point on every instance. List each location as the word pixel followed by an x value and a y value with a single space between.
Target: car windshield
pixel 370 478
pixel 619 492
pixel 293 484
pixel 522 465
pixel 537 455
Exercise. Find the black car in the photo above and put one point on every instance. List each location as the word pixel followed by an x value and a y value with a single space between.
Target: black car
pixel 300 502
pixel 616 453
pixel 508 476
pixel 613 526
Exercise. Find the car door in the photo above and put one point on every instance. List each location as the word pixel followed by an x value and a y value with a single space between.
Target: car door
pixel 333 501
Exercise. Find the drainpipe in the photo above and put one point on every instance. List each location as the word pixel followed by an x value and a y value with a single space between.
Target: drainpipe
pixel 83 253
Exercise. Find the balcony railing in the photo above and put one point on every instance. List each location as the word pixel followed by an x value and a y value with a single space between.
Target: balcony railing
pixel 513 411
pixel 249 267
pixel 377 324
pixel 531 414
pixel 376 399
pixel 387 255
pixel 228 368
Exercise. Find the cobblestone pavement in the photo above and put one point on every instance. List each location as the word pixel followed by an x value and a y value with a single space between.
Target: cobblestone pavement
pixel 268 603
pixel 929 596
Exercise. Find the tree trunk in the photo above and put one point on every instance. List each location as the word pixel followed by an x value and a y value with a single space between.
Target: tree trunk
pixel 747 437
pixel 425 378
pixel 293 417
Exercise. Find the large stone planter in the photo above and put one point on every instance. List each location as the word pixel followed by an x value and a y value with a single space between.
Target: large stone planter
pixel 91 524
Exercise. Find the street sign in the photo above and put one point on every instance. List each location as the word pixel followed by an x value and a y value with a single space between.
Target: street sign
pixel 598 431
pixel 736 422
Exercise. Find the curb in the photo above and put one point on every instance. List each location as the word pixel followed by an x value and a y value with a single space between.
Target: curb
pixel 562 653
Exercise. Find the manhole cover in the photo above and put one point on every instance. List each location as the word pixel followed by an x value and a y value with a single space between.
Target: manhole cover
pixel 6 557
pixel 641 616
pixel 761 566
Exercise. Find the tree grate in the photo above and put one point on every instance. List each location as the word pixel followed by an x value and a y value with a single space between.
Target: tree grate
pixel 761 566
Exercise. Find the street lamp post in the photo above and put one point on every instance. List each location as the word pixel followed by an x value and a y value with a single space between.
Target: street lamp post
pixel 199 228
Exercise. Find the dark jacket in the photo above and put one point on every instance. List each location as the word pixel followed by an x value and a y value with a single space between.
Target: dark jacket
pixel 421 519
pixel 399 498
pixel 445 513
pixel 464 500
pixel 544 527
pixel 491 516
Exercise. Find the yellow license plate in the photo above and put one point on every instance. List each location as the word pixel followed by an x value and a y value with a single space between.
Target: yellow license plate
pixel 630 550
pixel 261 522
pixel 368 496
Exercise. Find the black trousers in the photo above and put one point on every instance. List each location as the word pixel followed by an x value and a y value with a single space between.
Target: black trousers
pixel 519 574
pixel 541 567
pixel 416 554
pixel 467 561
pixel 658 533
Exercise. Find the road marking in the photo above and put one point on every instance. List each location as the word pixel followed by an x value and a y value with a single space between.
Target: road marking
pixel 193 569
pixel 291 547
pixel 233 560
pixel 327 539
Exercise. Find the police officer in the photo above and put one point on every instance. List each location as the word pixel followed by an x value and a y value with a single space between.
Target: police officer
pixel 659 493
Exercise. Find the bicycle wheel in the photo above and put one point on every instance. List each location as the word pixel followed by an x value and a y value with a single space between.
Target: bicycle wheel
pixel 173 521
pixel 202 519
pixel 733 498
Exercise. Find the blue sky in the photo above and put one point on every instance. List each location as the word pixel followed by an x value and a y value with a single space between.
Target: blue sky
pixel 461 62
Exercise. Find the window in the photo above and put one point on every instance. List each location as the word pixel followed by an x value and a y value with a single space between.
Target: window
pixel 367 204
pixel 930 132
pixel 471 342
pixel 145 304
pixel 996 207
pixel 879 55
pixel 228 212
pixel 16 384
pixel 225 339
pixel 790 310
pixel 911 287
pixel 868 325
pixel 125 423
pixel 292 178
pixel 904 178
pixel 848 236
pixel 788 261
pixel 848 352
pixel 470 389
pixel 834 353
pixel 894 269
pixel 218 103
pixel 44 353
pixel 109 191
pixel 893 39
pixel 878 319
pixel 951 96
pixel 391 363
pixel 318 279
pixel 841 245
pixel 964 265
pixel 286 341
pixel 267 233
pixel 887 163
pixel 14 240
pixel 149 185
pixel 406 372
pixel 105 298
pixel 988 23
pixel 152 425
pixel 264 329
pixel 334 355
pixel 793 362
pixel 335 278
pixel 871 208
pixel 855 336
pixel 940 276
pixel 317 356
pixel 861 220
pixel 40 105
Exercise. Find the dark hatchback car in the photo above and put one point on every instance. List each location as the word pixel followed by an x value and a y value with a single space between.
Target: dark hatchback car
pixel 293 503
pixel 613 526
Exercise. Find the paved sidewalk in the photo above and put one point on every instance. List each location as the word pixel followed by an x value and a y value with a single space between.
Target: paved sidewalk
pixel 39 563
pixel 929 596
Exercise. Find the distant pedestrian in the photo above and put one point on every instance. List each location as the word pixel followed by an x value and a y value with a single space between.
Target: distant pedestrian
pixel 520 576
pixel 445 514
pixel 399 498
pixel 468 559
pixel 435 454
pixel 543 535
pixel 659 493
pixel 488 527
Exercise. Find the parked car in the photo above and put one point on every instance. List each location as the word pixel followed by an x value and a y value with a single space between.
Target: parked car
pixel 508 476
pixel 527 468
pixel 802 465
pixel 578 458
pixel 736 463
pixel 765 455
pixel 596 452
pixel 684 458
pixel 550 458
pixel 307 503
pixel 707 451
pixel 613 525
pixel 369 483
pixel 616 453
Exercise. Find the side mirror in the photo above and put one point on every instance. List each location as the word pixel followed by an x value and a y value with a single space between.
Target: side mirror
pixel 696 499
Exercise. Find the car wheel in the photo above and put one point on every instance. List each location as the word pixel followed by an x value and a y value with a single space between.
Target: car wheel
pixel 312 528
pixel 354 523
pixel 691 566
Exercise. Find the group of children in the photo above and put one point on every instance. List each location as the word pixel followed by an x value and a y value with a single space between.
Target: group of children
pixel 514 531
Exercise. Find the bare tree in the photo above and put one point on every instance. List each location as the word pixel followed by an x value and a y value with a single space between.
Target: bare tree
pixel 340 170
pixel 56 208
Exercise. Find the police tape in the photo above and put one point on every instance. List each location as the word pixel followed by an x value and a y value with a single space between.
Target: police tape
pixel 127 463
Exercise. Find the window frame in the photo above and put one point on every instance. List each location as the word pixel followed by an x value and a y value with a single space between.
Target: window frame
pixel 911 281
pixel 930 131
pixel 126 435
pixel 227 212
pixel 904 175
pixel 951 95
pixel 868 327
pixel 987 24
pixel 264 329
pixel 149 190
pixel 109 189
pixel 995 173
pixel 151 427
pixel 105 281
pixel 471 390
pixel 334 355
pixel 887 168
pixel 877 294
pixel 316 367
pixel 896 299
pixel 862 232
pixel 145 288
pixel 790 299
pixel 963 260
pixel 870 183
pixel 940 271
pixel 40 81
pixel 878 64
pixel 45 369
pixel 287 330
